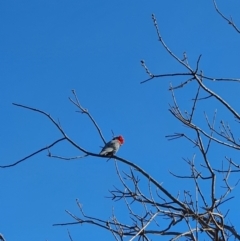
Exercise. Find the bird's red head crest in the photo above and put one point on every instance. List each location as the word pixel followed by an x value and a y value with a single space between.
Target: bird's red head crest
pixel 121 140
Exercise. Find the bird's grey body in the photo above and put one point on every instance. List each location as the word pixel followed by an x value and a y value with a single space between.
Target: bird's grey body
pixel 112 146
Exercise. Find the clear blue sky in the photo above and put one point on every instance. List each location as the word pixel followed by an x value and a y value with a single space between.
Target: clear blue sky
pixel 48 48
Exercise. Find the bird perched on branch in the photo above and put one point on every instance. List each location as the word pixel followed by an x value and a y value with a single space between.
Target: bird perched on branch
pixel 112 146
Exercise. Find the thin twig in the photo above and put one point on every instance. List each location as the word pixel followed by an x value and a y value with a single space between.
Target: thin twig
pixel 230 21
pixel 34 153
pixel 85 111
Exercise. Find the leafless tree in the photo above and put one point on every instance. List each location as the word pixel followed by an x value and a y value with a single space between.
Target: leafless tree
pixel 192 215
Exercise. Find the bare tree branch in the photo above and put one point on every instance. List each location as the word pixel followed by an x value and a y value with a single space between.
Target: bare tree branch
pixel 230 21
pixel 85 111
pixel 34 153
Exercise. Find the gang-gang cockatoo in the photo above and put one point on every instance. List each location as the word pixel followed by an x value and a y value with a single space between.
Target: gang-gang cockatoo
pixel 112 146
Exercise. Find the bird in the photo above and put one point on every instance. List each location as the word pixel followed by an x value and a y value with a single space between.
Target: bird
pixel 112 146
